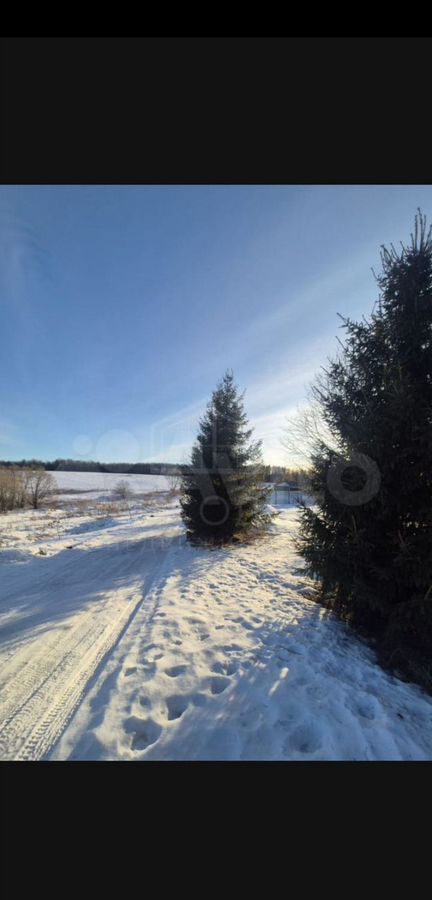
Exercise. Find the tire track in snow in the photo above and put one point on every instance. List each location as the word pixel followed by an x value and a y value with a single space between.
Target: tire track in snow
pixel 33 720
pixel 47 678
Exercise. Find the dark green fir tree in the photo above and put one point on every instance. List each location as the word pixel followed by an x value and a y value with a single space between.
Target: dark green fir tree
pixel 223 492
pixel 369 539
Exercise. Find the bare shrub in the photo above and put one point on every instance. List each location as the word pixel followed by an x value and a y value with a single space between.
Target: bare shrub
pixel 305 432
pixel 174 481
pixel 82 506
pixel 104 510
pixel 52 503
pixel 22 477
pixel 122 490
pixel 40 484
pixel 7 490
pixel 13 488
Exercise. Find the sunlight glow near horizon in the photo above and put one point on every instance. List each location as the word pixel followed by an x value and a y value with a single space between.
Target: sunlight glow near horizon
pixel 122 306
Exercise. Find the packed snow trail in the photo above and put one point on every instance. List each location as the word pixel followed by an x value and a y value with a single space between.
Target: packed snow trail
pixel 59 618
pixel 237 663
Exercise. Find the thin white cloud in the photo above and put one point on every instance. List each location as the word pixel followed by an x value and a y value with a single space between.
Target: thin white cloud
pixel 334 290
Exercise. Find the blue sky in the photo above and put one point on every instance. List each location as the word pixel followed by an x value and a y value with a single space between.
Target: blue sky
pixel 122 306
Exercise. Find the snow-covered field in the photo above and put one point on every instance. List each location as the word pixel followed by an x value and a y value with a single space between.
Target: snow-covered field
pixel 119 641
pixel 102 483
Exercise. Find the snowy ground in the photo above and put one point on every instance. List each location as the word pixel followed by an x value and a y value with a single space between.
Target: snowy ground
pixel 119 641
pixel 101 484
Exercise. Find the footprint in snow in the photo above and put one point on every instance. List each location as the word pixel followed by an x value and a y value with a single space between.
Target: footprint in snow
pixel 176 706
pixel 367 707
pixel 175 671
pixel 306 738
pixel 145 732
pixel 219 684
pixel 224 668
pixel 148 670
pixel 241 621
pixel 297 649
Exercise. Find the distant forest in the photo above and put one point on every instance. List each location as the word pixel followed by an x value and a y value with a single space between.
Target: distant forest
pixel 74 465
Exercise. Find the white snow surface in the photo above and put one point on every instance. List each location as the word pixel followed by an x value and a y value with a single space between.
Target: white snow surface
pixel 101 483
pixel 120 641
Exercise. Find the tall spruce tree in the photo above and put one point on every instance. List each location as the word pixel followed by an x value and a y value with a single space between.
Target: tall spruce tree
pixel 369 541
pixel 223 495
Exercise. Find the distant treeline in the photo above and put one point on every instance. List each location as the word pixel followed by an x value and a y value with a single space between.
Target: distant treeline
pixel 273 474
pixel 73 465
